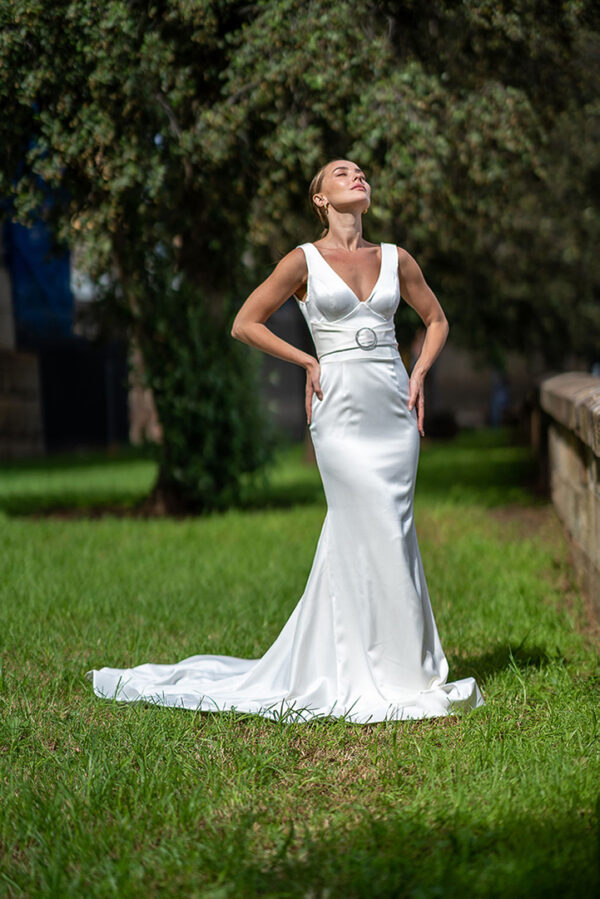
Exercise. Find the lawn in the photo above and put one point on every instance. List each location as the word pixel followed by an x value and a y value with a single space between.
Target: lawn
pixel 103 799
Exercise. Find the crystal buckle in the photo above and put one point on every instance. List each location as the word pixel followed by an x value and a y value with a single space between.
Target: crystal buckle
pixel 366 338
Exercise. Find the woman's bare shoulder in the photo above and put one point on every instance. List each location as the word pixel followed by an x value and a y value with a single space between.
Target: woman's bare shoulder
pixel 406 262
pixel 291 263
pixel 294 256
pixel 292 272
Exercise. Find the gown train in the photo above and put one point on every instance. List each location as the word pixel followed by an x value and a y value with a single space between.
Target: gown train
pixel 362 642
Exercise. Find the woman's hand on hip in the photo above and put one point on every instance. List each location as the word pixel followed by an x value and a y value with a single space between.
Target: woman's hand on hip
pixel 416 397
pixel 313 385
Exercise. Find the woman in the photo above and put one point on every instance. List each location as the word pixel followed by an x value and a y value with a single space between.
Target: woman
pixel 362 643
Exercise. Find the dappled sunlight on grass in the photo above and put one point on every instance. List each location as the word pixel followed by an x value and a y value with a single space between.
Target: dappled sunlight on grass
pixel 479 467
pixel 485 468
pixel 102 798
pixel 75 480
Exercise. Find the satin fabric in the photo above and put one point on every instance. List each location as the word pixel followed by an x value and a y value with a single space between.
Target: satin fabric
pixel 362 642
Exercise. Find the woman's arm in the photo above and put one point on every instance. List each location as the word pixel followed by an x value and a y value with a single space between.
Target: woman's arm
pixel 287 278
pixel 417 293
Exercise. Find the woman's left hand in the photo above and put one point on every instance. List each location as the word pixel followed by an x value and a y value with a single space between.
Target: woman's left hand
pixel 416 397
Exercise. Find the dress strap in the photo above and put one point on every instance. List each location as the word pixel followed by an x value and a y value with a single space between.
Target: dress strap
pixel 391 265
pixel 309 251
pixel 306 247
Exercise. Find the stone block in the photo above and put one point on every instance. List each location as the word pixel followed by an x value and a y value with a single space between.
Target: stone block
pixel 572 401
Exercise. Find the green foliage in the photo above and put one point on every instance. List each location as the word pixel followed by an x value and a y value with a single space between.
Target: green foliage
pixel 204 384
pixel 194 126
pixel 478 125
pixel 108 111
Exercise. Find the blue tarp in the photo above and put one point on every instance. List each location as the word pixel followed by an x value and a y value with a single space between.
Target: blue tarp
pixel 42 299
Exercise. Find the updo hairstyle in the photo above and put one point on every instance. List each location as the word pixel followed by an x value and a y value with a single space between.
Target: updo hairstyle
pixel 315 188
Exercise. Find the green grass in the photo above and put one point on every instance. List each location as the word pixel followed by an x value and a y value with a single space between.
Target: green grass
pixel 103 799
pixel 75 482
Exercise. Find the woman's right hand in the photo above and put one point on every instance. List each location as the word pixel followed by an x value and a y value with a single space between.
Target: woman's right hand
pixel 313 385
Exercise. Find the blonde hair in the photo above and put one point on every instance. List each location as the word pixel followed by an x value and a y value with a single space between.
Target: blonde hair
pixel 315 188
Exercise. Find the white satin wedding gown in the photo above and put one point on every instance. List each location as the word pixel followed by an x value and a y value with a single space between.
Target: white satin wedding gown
pixel 362 641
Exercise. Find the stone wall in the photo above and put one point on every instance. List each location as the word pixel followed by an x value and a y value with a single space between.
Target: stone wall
pixel 571 403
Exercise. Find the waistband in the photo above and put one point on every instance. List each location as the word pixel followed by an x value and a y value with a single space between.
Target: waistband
pixel 364 343
pixel 381 354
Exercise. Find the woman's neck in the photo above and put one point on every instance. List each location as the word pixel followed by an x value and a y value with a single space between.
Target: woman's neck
pixel 345 231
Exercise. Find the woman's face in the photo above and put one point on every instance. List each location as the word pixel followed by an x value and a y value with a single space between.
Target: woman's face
pixel 345 186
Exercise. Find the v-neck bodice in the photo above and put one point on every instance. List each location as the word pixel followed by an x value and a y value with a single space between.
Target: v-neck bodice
pixel 329 298
pixel 338 320
pixel 354 294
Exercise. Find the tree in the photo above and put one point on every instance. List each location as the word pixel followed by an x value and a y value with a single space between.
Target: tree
pixel 182 133
pixel 107 104
pixel 478 124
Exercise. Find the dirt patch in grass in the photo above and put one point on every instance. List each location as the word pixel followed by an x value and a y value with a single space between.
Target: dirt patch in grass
pixel 141 510
pixel 529 521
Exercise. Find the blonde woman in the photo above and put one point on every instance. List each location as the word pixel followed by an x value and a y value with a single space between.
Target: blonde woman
pixel 362 642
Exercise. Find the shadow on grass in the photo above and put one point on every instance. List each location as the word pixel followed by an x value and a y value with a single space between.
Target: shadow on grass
pixel 400 855
pixel 485 666
pixel 121 455
pixel 487 468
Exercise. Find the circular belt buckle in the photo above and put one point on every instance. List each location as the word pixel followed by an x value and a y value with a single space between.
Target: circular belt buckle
pixel 366 338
